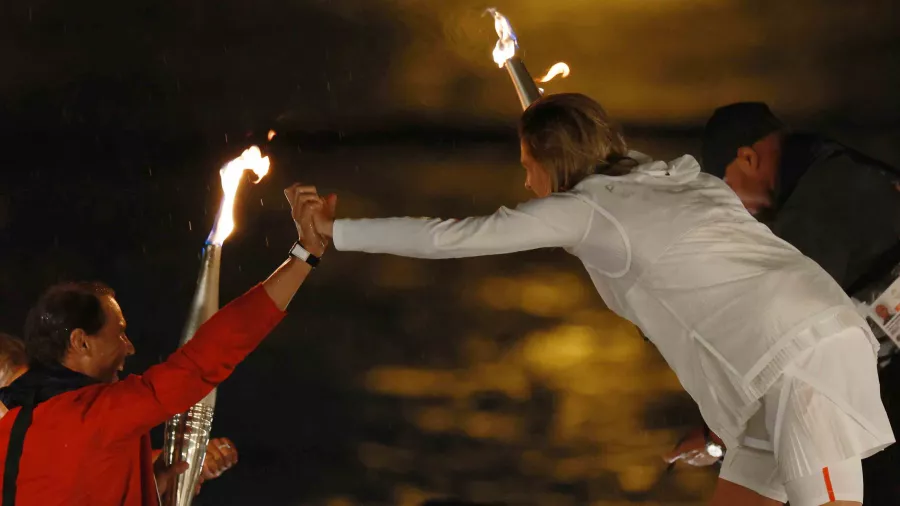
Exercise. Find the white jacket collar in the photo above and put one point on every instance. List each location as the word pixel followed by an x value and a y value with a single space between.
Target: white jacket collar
pixel 681 170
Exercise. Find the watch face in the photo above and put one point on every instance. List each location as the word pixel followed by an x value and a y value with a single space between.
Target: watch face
pixel 714 450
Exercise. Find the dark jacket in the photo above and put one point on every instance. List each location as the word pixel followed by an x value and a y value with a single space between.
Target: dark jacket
pixel 837 206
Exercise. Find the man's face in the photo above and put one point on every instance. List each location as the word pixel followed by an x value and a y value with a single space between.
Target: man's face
pixel 108 348
pixel 537 179
pixel 753 179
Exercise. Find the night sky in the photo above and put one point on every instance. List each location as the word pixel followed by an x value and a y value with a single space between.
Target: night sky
pixel 393 380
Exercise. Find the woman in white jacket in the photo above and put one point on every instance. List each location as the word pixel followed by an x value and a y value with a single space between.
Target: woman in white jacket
pixel 762 338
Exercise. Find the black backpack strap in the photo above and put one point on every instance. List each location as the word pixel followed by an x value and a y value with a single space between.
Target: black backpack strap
pixel 14 450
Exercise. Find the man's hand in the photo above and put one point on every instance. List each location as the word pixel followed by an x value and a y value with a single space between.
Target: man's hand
pixel 166 475
pixel 305 203
pixel 221 455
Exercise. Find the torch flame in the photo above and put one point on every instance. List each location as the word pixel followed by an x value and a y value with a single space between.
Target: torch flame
pixel 506 43
pixel 231 175
pixel 559 68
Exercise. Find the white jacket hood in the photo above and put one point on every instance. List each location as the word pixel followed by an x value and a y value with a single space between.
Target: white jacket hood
pixel 676 172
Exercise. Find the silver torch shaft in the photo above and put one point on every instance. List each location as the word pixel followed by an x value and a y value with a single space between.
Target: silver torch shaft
pixel 526 87
pixel 187 434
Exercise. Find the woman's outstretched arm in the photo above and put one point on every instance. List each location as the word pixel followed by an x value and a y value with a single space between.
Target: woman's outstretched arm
pixel 560 220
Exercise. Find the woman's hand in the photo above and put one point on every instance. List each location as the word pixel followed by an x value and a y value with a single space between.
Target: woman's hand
pixel 305 204
pixel 324 218
pixel 692 450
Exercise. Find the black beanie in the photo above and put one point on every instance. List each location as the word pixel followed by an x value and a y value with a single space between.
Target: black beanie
pixel 732 127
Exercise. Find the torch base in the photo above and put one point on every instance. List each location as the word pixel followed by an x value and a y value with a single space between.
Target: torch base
pixel 187 435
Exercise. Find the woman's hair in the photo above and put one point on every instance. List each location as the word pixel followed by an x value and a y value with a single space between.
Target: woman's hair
pixel 571 136
pixel 12 352
pixel 60 310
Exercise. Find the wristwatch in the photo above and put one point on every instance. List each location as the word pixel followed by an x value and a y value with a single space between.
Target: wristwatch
pixel 714 449
pixel 301 253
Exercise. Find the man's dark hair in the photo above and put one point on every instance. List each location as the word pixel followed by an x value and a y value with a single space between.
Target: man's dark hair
pixel 60 310
pixel 12 351
pixel 734 126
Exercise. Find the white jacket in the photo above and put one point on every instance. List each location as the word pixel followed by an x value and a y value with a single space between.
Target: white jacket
pixel 672 250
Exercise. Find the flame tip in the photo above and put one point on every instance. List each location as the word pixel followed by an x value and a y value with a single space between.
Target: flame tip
pixel 232 174
pixel 557 69
pixel 507 43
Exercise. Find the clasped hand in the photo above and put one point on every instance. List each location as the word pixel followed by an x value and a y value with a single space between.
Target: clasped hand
pixel 313 216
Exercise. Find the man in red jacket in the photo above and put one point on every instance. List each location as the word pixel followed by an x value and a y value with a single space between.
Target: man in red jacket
pixel 76 435
pixel 221 453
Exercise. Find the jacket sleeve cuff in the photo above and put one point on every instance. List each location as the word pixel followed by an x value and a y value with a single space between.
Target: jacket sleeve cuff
pixel 339 235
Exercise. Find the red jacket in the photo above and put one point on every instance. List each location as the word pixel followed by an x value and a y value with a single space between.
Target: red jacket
pixel 91 446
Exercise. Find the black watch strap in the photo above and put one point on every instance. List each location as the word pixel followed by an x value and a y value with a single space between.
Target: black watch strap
pixel 301 253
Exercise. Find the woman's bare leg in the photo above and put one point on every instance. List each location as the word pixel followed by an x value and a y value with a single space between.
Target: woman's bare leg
pixel 732 494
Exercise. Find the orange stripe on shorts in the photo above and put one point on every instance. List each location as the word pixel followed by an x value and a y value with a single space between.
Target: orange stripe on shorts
pixel 828 486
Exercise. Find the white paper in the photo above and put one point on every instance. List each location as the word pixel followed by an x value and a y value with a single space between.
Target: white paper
pixel 885 311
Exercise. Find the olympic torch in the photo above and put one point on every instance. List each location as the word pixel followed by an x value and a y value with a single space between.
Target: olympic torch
pixel 187 434
pixel 505 56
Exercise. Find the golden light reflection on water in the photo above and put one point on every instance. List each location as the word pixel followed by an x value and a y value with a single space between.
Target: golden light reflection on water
pixel 492 426
pixel 637 478
pixel 409 382
pixel 561 352
pixel 436 419
pixel 547 295
pixel 590 362
pixel 401 273
pixel 410 495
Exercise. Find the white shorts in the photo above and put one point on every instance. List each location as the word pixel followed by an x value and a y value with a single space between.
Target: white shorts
pixel 815 426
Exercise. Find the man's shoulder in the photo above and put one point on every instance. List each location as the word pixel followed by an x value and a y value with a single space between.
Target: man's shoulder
pixel 61 414
pixel 826 157
pixel 80 406
pixel 71 403
pixel 834 169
